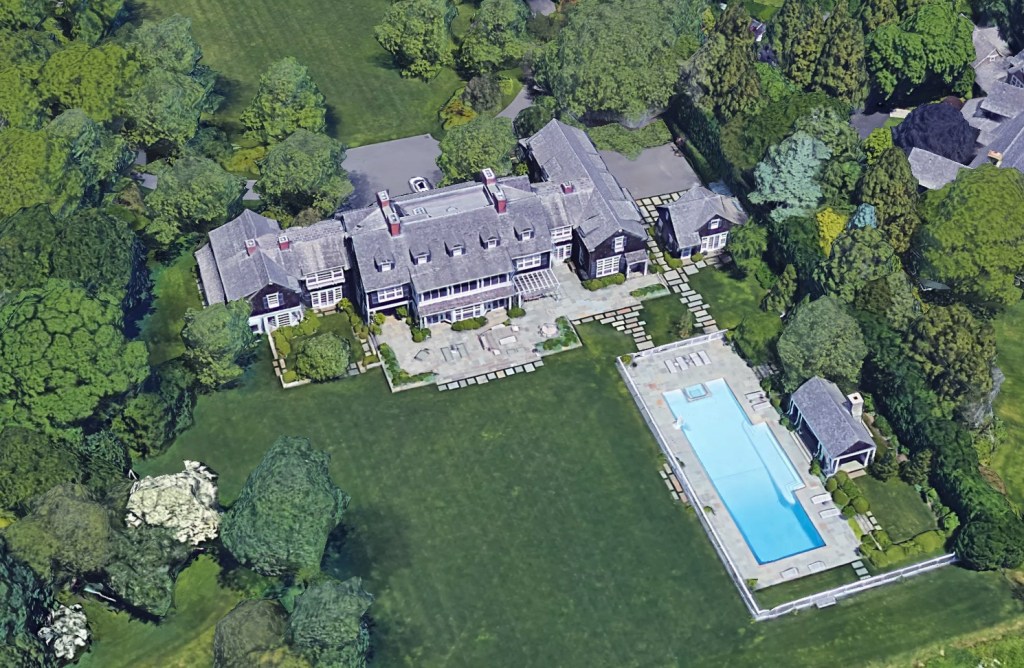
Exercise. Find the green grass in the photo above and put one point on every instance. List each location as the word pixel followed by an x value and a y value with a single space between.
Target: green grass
pixel 898 507
pixel 174 292
pixel 368 100
pixel 805 586
pixel 1008 461
pixel 183 640
pixel 497 528
pixel 729 299
pixel 662 316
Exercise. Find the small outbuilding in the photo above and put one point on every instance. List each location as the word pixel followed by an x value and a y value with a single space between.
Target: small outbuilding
pixel 832 425
pixel 698 222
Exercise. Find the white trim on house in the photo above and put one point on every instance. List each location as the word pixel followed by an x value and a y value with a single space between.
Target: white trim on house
pixel 272 300
pixel 562 252
pixel 560 234
pixel 326 297
pixel 529 262
pixel 607 266
pixel 620 244
pixel 713 243
pixel 388 294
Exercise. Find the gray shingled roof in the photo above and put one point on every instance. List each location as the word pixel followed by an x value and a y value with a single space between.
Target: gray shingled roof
pixel 931 170
pixel 565 154
pixel 825 411
pixel 695 208
pixel 1004 100
pixel 229 272
pixel 1009 141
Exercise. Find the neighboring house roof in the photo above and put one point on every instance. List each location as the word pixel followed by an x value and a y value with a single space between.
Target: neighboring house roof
pixel 604 209
pixel 1008 143
pixel 1004 100
pixel 826 412
pixel 692 212
pixel 990 53
pixel 229 271
pixel 931 170
pixel 977 119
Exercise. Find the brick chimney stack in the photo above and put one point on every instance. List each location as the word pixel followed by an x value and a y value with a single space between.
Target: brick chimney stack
pixel 488 176
pixel 568 188
pixel 389 213
pixel 498 197
pixel 250 246
pixel 283 242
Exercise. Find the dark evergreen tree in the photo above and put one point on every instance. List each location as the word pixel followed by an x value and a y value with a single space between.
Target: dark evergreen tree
pixel 874 13
pixel 891 188
pixel 840 70
pixel 798 35
pixel 727 67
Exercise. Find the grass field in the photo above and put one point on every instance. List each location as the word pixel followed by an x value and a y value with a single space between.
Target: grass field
pixel 662 316
pixel 729 299
pixel 368 100
pixel 1009 459
pixel 174 292
pixel 898 507
pixel 805 586
pixel 498 527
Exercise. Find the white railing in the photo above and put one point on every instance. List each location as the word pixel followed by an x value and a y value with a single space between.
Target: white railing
pixel 686 343
pixel 757 612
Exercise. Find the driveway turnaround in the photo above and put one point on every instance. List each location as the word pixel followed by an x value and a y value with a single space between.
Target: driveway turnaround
pixel 657 171
pixel 389 165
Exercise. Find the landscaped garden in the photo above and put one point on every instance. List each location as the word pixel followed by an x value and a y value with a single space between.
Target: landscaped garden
pixel 898 507
pixel 663 316
pixel 451 516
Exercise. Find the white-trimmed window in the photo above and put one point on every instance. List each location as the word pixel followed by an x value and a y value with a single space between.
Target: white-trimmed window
pixel 620 244
pixel 561 234
pixel 328 297
pixel 526 234
pixel 386 265
pixel 491 243
pixel 715 223
pixel 457 250
pixel 530 262
pixel 562 252
pixel 422 258
pixel 467 312
pixel 608 266
pixel 390 293
pixel 273 300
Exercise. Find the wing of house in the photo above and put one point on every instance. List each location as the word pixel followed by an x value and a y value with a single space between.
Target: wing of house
pixel 698 222
pixel 931 170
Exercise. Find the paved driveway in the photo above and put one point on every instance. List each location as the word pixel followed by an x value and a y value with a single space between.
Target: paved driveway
pixel 389 165
pixel 657 171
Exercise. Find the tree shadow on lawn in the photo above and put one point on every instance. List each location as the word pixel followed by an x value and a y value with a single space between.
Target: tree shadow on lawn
pixel 367 536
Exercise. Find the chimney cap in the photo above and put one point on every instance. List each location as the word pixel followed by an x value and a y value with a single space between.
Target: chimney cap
pixel 249 243
pixel 488 175
pixel 383 198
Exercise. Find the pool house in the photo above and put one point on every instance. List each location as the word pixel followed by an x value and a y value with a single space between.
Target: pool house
pixel 832 425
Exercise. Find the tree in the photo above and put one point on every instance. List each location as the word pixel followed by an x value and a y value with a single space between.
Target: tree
pixel 962 244
pixel 840 69
pixel 103 459
pixel 956 351
pixel 323 357
pixel 304 171
pixel 798 35
pixel 26 242
pixel 597 65
pixel 937 128
pixel 287 100
pixel 891 188
pixel 875 13
pixel 496 37
pixel 821 339
pixel 724 66
pixel 529 121
pixel 831 126
pixel 25 602
pixel 787 177
pixel 467 149
pixel 830 226
pixel 893 297
pixel 30 464
pixel 149 421
pixel 217 342
pixel 167 44
pixel 285 511
pixel 192 195
pixel 985 544
pixel 62 352
pixel 65 534
pixel 747 245
pixel 886 465
pixel 166 107
pixel 329 624
pixel 858 257
pixel 144 563
pixel 21 105
pixel 780 297
pixel 417 33
pixel 863 218
pixel 876 143
pixel 483 92
pixel 915 471
pixel 928 51
pixel 251 629
pixel 93 79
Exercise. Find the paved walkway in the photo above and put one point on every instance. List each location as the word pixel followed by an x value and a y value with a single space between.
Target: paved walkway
pixel 521 101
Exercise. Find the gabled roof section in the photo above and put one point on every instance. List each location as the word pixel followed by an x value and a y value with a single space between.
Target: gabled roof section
pixel 1009 143
pixel 1004 100
pixel 695 208
pixel 826 412
pixel 931 170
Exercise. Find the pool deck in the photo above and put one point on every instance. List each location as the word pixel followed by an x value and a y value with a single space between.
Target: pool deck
pixel 651 379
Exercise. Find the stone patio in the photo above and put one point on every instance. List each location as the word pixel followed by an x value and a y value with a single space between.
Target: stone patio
pixel 651 379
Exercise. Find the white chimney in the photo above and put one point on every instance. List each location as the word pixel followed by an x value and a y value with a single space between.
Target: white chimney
pixel 856 404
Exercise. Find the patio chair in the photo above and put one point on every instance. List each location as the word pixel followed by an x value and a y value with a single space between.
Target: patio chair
pixel 671 366
pixel 704 357
pixel 683 363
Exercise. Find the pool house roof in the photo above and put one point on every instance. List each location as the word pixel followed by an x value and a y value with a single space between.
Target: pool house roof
pixel 826 411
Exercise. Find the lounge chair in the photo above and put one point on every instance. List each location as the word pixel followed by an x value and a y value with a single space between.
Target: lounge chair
pixel 670 366
pixel 683 363
pixel 704 357
pixel 695 360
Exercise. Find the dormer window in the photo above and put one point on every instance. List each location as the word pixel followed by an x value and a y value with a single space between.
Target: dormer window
pixel 715 223
pixel 489 242
pixel 273 300
pixel 422 258
pixel 526 234
pixel 457 250
pixel 386 265
pixel 620 244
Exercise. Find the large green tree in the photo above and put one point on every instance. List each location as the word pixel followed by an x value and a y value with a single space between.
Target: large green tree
pixel 143 564
pixel 956 351
pixel 972 236
pixel 252 630
pixel 875 13
pixel 723 70
pixel 285 512
pixel 840 69
pixel 165 108
pixel 287 100
pixel 323 357
pixel 787 177
pixel 62 352
pixel 891 188
pixel 150 420
pixel 858 257
pixel 167 44
pixel 797 34
pixel 25 603
pixel 821 339
pixel 193 194
pixel 329 625
pixel 30 463
pixel 21 103
pixel 927 53
pixel 93 79
pixel 417 33
pixel 484 142
pixel 217 342
pixel 304 171
pixel 496 38
pixel 597 64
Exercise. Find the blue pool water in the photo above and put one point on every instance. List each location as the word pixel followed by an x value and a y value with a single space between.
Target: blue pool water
pixel 753 476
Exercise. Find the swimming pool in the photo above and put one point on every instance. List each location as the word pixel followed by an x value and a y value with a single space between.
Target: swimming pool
pixel 751 473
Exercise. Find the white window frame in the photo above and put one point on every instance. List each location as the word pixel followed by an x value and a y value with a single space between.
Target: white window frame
pixel 273 300
pixel 714 224
pixel 491 243
pixel 563 252
pixel 607 266
pixel 387 265
pixel 422 258
pixel 529 262
pixel 457 250
pixel 561 234
pixel 467 312
pixel 526 234
pixel 389 294
pixel 326 297
pixel 620 244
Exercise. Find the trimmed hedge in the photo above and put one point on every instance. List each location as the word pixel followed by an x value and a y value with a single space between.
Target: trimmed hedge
pixel 471 323
pixel 598 283
pixel 516 312
pixel 840 498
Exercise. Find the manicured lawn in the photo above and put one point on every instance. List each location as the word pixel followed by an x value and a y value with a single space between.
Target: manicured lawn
pixel 662 316
pixel 1008 461
pixel 368 100
pixel 174 292
pixel 805 586
pixel 898 507
pixel 523 523
pixel 730 299
pixel 183 640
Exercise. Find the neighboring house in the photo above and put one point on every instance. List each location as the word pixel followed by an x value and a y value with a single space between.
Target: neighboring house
pixel 832 424
pixel 1007 147
pixel 279 272
pixel 931 170
pixel 997 115
pixel 698 222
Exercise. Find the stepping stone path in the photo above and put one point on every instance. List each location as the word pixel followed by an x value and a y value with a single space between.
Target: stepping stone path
pixel 626 320
pixel 484 378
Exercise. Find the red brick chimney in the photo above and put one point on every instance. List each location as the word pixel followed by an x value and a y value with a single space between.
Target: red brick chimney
pixel 500 202
pixel 394 224
pixel 283 243
pixel 488 176
pixel 568 188
pixel 250 246
pixel 390 216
